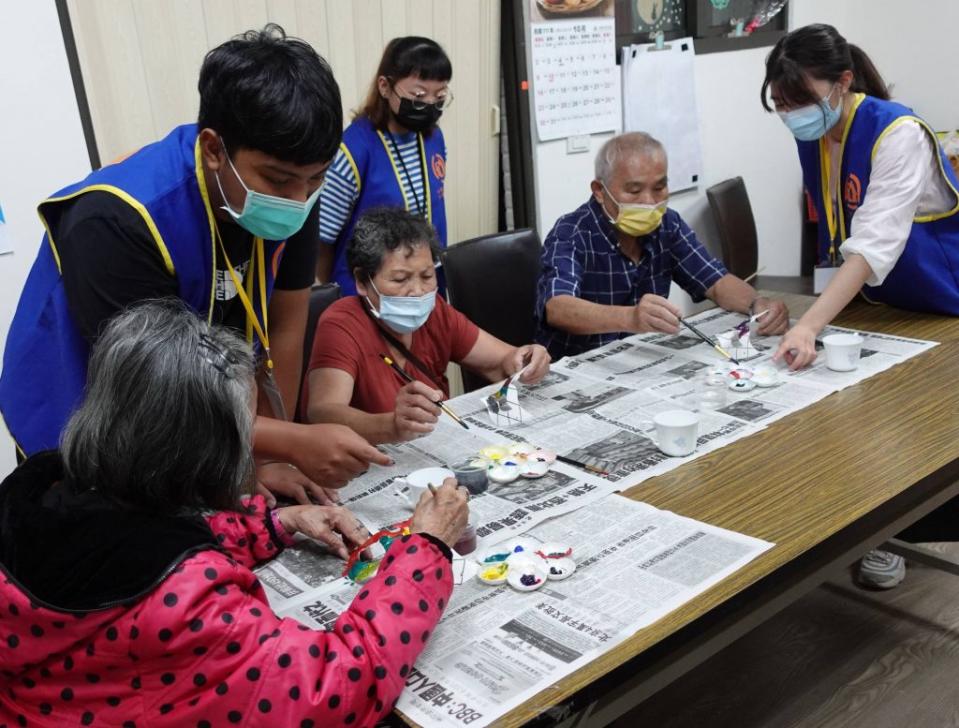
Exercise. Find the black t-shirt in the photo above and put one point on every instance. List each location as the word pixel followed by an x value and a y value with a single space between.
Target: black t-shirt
pixel 109 260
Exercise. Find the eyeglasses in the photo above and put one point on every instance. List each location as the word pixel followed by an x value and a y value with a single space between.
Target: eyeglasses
pixel 419 99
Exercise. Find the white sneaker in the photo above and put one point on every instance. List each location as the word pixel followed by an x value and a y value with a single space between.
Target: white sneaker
pixel 881 570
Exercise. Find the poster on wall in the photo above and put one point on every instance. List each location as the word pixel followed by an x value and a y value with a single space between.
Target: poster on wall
pixel 659 92
pixel 576 85
pixel 6 242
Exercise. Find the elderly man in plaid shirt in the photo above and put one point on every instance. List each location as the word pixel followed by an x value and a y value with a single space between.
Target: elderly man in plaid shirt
pixel 608 265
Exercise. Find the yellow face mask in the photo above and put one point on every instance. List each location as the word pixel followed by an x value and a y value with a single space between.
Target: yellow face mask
pixel 637 219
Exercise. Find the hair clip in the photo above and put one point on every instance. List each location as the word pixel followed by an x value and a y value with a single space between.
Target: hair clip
pixel 221 358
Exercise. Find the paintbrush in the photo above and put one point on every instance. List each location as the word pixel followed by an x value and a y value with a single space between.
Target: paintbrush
pixel 407 378
pixel 753 275
pixel 709 341
pixel 584 466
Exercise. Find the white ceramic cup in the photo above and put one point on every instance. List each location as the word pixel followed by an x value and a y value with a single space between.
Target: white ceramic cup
pixel 842 351
pixel 409 488
pixel 676 432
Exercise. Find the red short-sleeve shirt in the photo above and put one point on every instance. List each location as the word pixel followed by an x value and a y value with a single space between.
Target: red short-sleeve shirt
pixel 348 339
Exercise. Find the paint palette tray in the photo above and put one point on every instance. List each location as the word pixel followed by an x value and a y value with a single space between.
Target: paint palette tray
pixel 525 564
pixel 509 462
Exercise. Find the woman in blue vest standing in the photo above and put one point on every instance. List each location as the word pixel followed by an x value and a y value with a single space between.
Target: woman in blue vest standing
pixel 393 154
pixel 888 210
pixel 886 196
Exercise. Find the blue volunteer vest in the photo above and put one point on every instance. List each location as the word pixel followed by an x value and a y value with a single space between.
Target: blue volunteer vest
pixel 379 180
pixel 926 276
pixel 45 360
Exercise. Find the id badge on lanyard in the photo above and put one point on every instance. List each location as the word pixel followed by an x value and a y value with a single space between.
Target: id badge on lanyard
pixel 268 383
pixel 273 395
pixel 824 272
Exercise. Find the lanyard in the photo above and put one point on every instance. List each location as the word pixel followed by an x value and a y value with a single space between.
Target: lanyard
pixel 825 161
pixel 251 318
pixel 388 337
pixel 420 209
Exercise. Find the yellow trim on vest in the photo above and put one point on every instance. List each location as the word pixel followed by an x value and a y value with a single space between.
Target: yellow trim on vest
pixel 399 180
pixel 201 182
pixel 831 218
pixel 356 171
pixel 426 180
pixel 935 140
pixel 127 198
pixel 396 171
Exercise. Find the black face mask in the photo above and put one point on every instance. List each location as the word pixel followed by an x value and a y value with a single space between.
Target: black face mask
pixel 417 119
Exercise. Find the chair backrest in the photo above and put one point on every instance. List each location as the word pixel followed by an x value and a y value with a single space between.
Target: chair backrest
pixel 737 227
pixel 492 280
pixel 321 296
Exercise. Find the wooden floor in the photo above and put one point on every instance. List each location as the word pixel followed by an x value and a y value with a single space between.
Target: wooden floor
pixel 841 656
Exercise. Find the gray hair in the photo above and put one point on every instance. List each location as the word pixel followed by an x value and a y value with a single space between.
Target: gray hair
pixel 383 230
pixel 166 423
pixel 634 142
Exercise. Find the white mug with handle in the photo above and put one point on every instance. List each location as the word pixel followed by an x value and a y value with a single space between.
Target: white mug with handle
pixel 676 432
pixel 410 487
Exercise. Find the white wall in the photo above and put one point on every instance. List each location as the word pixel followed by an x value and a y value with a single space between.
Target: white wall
pixel 913 45
pixel 41 144
pixel 740 138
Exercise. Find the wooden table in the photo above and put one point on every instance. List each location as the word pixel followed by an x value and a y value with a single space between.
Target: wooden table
pixel 825 485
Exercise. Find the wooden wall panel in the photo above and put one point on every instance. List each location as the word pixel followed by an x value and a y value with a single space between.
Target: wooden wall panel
pixel 140 60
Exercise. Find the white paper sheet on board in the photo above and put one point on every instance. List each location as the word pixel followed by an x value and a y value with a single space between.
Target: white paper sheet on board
pixel 659 97
pixel 6 241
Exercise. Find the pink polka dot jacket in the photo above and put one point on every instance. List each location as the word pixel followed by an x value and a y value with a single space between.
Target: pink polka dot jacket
pixel 198 645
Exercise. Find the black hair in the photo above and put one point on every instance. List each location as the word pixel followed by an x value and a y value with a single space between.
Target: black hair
pixel 263 90
pixel 411 55
pixel 818 52
pixel 382 230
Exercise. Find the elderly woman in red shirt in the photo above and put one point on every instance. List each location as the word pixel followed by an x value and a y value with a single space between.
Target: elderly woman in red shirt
pixel 126 587
pixel 393 256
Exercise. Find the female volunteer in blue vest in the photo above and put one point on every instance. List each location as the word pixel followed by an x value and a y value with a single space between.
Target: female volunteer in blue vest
pixel 886 196
pixel 393 154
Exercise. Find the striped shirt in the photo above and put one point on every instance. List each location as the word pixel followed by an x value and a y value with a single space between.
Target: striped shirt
pixel 341 189
pixel 581 257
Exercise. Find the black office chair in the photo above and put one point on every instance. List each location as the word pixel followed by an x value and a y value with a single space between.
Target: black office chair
pixel 492 280
pixel 321 296
pixel 739 241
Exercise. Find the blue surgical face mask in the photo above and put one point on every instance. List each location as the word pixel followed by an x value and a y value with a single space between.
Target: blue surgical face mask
pixel 809 123
pixel 267 216
pixel 403 314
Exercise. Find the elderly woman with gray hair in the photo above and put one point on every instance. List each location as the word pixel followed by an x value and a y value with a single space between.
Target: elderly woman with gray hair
pixel 127 593
pixel 393 256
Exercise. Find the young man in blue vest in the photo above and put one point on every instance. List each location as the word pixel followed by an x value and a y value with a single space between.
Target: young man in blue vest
pixel 219 214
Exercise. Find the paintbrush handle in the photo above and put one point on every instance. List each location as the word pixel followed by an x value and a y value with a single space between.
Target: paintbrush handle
pixel 696 331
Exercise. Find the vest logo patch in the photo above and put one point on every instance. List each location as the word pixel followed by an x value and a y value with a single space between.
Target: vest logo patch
pixel 438 165
pixel 852 191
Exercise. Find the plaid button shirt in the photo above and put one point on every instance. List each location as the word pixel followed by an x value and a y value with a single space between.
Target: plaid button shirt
pixel 581 258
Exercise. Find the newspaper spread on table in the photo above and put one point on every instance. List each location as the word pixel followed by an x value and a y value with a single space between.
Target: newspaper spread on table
pixel 596 408
pixel 496 647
